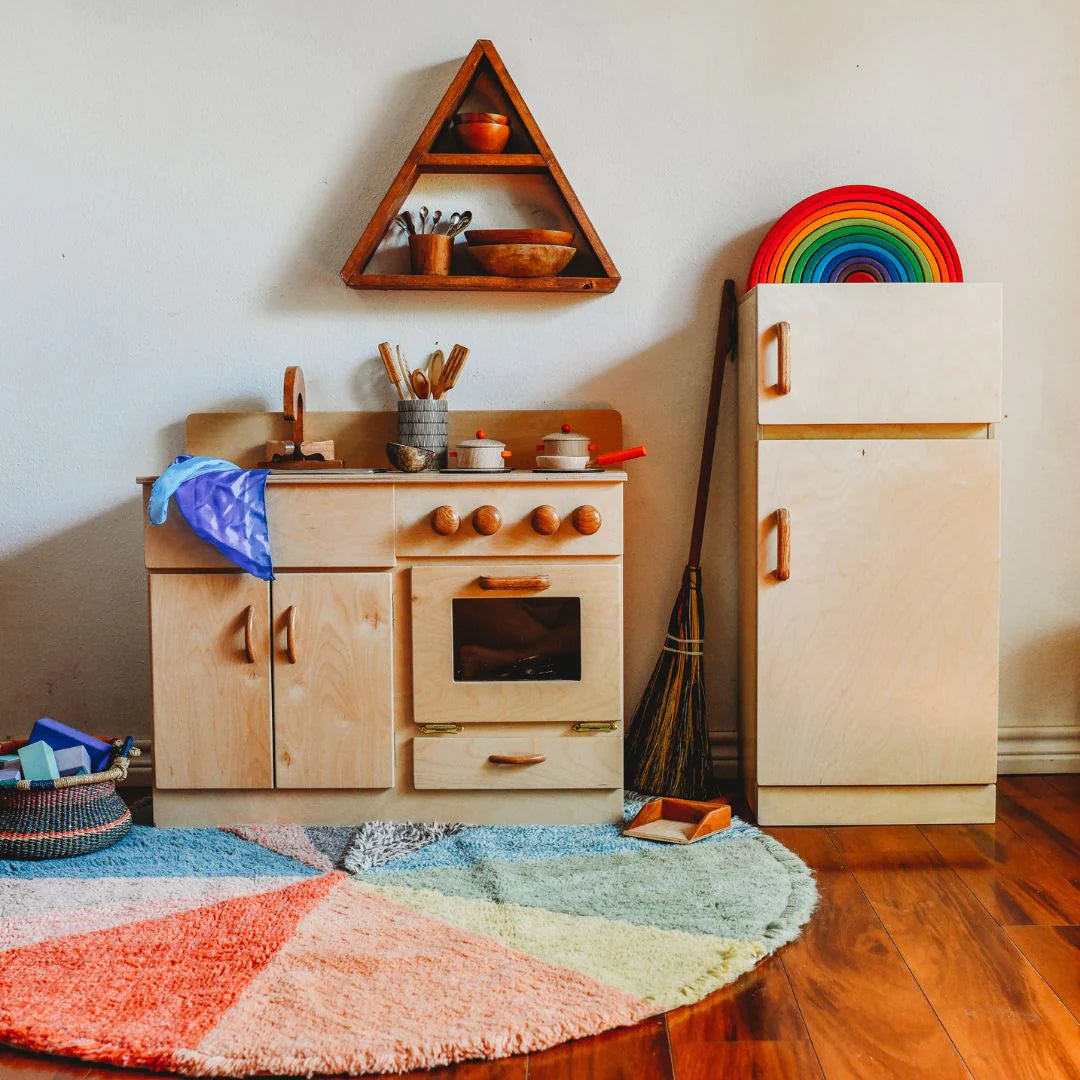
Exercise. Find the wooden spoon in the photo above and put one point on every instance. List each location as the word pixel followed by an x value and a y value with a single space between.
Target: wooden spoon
pixel 436 365
pixel 420 384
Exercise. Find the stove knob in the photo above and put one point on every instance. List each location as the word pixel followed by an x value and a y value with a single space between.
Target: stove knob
pixel 487 520
pixel 586 520
pixel 545 520
pixel 445 520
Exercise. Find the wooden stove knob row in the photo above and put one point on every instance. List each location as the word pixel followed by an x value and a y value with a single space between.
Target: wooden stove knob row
pixel 446 521
pixel 487 520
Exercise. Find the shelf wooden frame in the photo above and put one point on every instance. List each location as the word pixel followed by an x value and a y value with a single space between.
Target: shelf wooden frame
pixel 483 59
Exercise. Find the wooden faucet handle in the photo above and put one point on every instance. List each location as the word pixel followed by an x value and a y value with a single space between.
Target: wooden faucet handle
pixel 295 393
pixel 445 520
pixel 586 520
pixel 487 520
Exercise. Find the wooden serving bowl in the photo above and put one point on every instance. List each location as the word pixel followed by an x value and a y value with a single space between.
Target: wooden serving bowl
pixel 522 260
pixel 410 458
pixel 518 236
pixel 483 138
pixel 480 118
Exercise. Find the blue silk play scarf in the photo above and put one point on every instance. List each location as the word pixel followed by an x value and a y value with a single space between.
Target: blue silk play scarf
pixel 224 505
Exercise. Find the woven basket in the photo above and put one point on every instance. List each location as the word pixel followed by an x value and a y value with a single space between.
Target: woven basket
pixel 75 815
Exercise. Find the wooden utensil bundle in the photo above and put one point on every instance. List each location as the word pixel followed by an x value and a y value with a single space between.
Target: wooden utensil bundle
pixel 441 375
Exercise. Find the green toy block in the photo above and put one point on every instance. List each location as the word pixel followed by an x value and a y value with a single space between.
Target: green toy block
pixel 38 762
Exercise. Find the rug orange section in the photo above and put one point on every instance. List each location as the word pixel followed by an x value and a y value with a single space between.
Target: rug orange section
pixel 130 995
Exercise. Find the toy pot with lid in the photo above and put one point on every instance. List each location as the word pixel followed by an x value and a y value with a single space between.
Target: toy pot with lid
pixel 569 450
pixel 480 453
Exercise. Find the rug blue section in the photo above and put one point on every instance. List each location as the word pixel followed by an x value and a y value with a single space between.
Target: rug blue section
pixel 150 852
pixel 532 843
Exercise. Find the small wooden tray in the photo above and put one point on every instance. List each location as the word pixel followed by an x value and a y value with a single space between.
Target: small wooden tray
pixel 678 821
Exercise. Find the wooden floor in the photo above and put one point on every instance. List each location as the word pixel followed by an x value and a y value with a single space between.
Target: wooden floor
pixel 937 952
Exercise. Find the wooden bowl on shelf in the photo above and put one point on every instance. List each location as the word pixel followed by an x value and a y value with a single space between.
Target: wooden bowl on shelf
pixel 480 118
pixel 518 236
pixel 522 260
pixel 482 138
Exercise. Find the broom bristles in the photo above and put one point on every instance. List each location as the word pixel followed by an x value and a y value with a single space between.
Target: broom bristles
pixel 667 748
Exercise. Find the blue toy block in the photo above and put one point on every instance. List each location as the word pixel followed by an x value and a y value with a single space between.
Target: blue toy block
pixel 73 761
pixel 60 737
pixel 9 761
pixel 38 762
pixel 10 774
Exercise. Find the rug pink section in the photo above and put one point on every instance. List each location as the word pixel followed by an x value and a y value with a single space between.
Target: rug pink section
pixel 291 840
pixel 136 994
pixel 366 985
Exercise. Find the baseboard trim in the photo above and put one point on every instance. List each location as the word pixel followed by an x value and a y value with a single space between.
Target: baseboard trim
pixel 1034 749
pixel 1029 748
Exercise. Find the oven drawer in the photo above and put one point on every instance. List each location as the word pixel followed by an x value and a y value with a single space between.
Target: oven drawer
pixel 517 762
pixel 517 642
pixel 516 504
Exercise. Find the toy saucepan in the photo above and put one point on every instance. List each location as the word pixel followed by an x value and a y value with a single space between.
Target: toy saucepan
pixel 569 451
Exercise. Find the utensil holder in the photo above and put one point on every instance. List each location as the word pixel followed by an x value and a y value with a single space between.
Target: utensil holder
pixel 424 424
pixel 429 253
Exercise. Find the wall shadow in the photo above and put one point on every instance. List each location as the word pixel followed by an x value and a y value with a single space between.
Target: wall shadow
pixel 75 639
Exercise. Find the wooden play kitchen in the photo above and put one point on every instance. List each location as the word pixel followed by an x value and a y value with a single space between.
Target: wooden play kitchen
pixel 435 646
pixel 870 537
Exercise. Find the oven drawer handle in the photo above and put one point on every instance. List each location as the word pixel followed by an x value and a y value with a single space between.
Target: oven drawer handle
pixel 532 583
pixel 517 759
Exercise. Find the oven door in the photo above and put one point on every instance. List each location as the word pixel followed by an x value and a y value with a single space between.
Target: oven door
pixel 517 642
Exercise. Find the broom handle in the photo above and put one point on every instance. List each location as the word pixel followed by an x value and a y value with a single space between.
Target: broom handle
pixel 725 343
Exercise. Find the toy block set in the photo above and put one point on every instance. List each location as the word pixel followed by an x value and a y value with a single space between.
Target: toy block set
pixel 54 750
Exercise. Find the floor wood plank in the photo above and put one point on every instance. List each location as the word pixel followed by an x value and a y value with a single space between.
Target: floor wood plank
pixel 19 1065
pixel 1066 783
pixel 1011 879
pixel 1002 1016
pixel 1054 952
pixel 751 1029
pixel 635 1053
pixel 863 1010
pixel 515 1068
pixel 1046 818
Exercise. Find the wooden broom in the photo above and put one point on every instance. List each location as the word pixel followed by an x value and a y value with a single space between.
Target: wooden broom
pixel 667 746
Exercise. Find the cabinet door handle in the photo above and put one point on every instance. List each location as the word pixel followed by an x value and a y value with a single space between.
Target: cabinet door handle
pixel 517 759
pixel 783 545
pixel 249 633
pixel 290 633
pixel 783 358
pixel 532 582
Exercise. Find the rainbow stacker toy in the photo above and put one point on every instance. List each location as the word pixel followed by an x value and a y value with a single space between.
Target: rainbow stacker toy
pixel 856 234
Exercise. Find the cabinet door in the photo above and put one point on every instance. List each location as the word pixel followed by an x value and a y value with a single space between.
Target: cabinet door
pixel 878 354
pixel 210 650
pixel 878 656
pixel 333 680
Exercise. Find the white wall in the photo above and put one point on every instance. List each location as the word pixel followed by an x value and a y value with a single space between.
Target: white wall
pixel 180 183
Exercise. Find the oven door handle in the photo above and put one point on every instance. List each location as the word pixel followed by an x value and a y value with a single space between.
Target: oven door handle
pixel 529 583
pixel 517 759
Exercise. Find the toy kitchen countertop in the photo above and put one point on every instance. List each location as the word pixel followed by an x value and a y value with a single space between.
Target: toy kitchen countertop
pixel 436 646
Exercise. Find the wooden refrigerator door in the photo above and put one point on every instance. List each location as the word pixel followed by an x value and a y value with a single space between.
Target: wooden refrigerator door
pixel 333 680
pixel 211 681
pixel 878 654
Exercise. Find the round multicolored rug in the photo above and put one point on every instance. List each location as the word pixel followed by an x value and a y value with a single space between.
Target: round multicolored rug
pixel 383 948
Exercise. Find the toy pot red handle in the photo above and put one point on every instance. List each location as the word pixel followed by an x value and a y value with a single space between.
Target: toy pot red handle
pixel 620 455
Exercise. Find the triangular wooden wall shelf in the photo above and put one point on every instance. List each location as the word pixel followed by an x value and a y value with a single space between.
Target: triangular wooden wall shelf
pixel 527 152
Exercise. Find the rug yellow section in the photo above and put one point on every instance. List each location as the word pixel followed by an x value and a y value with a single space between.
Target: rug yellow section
pixel 666 968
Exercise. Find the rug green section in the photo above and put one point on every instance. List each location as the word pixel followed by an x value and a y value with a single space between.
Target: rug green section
pixel 748 889
pixel 667 968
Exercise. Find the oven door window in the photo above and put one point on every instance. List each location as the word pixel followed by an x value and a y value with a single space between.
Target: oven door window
pixel 517 639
